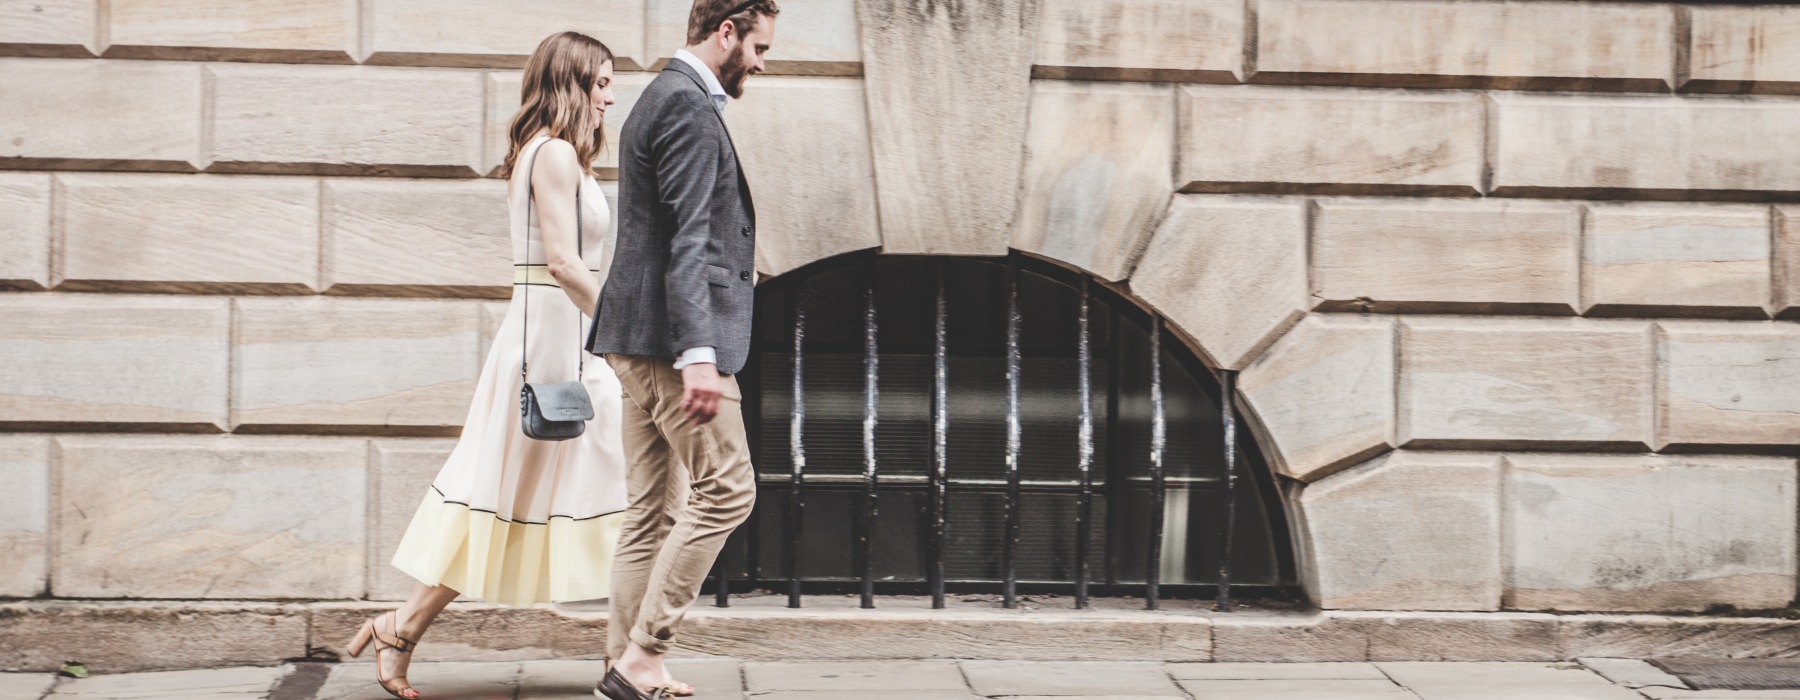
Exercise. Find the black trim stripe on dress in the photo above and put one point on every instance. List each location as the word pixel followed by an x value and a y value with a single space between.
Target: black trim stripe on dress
pixel 496 515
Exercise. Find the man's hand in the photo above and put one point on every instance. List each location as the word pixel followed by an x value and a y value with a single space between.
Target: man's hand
pixel 700 393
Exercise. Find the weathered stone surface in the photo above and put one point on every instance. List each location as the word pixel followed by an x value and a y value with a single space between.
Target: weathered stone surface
pixel 488 34
pixel 1728 384
pixel 418 238
pixel 1163 40
pixel 49 28
pixel 820 632
pixel 1323 395
pixel 1657 532
pixel 1787 262
pixel 944 190
pixel 989 678
pixel 24 514
pixel 1676 259
pixel 477 632
pixel 1552 45
pixel 1382 689
pixel 345 120
pixel 112 361
pixel 1643 147
pixel 1475 383
pixel 1431 520
pixel 1649 636
pixel 1632 673
pixel 181 233
pixel 442 680
pixel 1446 256
pixel 239 683
pixel 1377 636
pixel 146 636
pixel 852 676
pixel 503 103
pixel 1496 681
pixel 288 31
pixel 1745 49
pixel 401 474
pixel 806 139
pixel 1284 140
pixel 1342 670
pixel 376 366
pixel 210 517
pixel 113 115
pixel 1210 249
pixel 812 37
pixel 24 231
pixel 29 686
pixel 1097 167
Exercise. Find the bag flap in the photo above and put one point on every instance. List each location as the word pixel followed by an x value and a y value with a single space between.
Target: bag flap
pixel 562 401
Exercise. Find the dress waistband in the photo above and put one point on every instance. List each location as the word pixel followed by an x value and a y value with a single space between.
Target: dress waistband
pixel 540 274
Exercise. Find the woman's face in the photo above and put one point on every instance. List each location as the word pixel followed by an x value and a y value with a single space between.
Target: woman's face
pixel 602 94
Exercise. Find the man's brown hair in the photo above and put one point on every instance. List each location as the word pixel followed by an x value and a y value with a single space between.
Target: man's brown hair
pixel 704 19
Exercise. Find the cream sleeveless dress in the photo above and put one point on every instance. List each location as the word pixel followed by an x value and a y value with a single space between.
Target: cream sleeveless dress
pixel 510 519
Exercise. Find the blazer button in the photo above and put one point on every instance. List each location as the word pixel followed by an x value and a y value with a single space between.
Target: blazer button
pixel 746 230
pixel 745 275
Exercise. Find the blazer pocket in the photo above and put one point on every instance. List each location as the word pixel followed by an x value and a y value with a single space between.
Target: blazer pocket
pixel 718 276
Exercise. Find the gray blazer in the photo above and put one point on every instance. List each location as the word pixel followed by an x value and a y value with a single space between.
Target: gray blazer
pixel 685 262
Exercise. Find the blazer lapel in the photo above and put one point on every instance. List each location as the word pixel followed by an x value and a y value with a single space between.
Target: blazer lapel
pixel 683 68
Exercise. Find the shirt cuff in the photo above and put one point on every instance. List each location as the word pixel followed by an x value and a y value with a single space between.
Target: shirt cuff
pixel 703 355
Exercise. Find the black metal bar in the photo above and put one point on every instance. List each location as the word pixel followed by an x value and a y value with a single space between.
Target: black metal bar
pixel 722 576
pixel 1228 413
pixel 940 434
pixel 1158 488
pixel 1116 484
pixel 871 406
pixel 1010 558
pixel 797 453
pixel 1084 450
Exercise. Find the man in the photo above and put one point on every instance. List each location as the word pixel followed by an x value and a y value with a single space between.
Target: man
pixel 674 324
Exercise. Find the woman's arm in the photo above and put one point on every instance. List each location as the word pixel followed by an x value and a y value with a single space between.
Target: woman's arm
pixel 554 180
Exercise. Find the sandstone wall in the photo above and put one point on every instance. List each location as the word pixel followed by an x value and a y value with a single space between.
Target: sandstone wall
pixel 1513 287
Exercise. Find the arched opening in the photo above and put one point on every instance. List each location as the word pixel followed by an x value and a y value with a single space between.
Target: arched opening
pixel 898 454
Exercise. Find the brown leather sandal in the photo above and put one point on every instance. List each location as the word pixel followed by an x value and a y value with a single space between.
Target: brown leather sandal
pixel 398 644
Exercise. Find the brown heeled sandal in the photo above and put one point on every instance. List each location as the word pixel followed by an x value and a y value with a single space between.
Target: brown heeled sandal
pixel 369 632
pixel 671 687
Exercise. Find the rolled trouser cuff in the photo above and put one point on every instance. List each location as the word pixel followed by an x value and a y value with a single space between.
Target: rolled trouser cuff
pixel 649 643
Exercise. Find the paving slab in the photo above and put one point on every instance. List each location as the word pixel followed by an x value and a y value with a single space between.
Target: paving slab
pixel 712 678
pixel 1300 689
pixel 460 680
pixel 240 683
pixel 862 695
pixel 853 675
pixel 559 680
pixel 1066 678
pixel 1503 681
pixel 25 686
pixel 1632 673
pixel 1659 693
pixel 1346 670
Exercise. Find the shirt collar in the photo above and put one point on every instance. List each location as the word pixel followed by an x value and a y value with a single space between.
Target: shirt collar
pixel 713 88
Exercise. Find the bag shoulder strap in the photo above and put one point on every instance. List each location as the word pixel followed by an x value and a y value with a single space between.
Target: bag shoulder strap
pixel 525 310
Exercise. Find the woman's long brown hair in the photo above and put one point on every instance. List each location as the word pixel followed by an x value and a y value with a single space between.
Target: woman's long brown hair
pixel 555 95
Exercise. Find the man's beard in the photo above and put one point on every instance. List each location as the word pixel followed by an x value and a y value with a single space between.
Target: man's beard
pixel 733 74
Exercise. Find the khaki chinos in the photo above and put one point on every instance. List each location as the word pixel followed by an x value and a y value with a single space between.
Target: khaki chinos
pixel 689 486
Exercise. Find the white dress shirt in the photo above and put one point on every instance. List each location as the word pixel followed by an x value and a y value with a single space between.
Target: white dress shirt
pixel 704 354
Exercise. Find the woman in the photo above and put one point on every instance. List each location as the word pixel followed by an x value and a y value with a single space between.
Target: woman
pixel 510 519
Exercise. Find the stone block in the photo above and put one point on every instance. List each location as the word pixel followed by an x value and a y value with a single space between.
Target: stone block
pixel 24 231
pixel 1441 43
pixel 943 190
pixel 49 28
pixel 89 115
pixel 1225 671
pixel 1323 395
pixel 1652 636
pixel 1744 49
pixel 806 140
pixel 401 472
pixel 1632 673
pixel 1387 636
pixel 188 234
pixel 992 678
pixel 1200 41
pixel 1658 533
pixel 350 120
pixel 405 367
pixel 490 34
pixel 1688 260
pixel 853 676
pixel 844 632
pixel 1285 140
pixel 477 632
pixel 1495 680
pixel 106 362
pixel 418 238
pixel 1728 384
pixel 1430 522
pixel 200 684
pixel 1643 147
pixel 30 686
pixel 1447 256
pixel 149 636
pixel 812 37
pixel 1098 158
pixel 1520 384
pixel 284 31
pixel 503 103
pixel 1382 689
pixel 24 514
pixel 210 517
pixel 1209 249
pixel 1787 262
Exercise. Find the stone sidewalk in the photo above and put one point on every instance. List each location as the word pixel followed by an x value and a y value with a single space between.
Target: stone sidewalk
pixel 721 679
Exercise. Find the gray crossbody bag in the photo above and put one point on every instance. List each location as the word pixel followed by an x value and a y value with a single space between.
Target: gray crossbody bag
pixel 559 410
